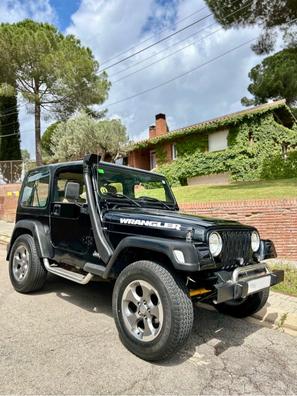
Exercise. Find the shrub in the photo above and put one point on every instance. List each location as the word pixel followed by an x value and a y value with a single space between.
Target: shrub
pixel 277 168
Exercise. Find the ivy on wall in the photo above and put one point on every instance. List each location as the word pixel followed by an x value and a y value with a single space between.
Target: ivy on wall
pixel 256 150
pixel 161 155
pixel 209 126
pixel 191 144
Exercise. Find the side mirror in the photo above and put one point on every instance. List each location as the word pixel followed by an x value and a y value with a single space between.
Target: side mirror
pixel 72 190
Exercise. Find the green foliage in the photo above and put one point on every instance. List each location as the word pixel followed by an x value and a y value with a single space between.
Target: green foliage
pixel 46 138
pixel 189 146
pixel 274 78
pixel 289 284
pixel 81 135
pixel 161 154
pixel 25 155
pixel 52 71
pixel 196 164
pixel 272 14
pixel 111 137
pixel 252 145
pixel 277 168
pixel 9 124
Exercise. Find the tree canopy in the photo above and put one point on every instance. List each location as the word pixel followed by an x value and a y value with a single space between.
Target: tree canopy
pixel 81 135
pixel 46 138
pixel 51 71
pixel 274 16
pixel 274 78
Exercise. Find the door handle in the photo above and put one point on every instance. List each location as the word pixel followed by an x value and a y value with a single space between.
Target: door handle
pixel 57 210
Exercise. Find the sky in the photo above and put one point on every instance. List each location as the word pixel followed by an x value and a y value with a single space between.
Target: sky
pixel 110 27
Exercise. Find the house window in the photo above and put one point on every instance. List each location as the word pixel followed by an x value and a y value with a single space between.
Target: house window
pixel 218 140
pixel 174 151
pixel 153 160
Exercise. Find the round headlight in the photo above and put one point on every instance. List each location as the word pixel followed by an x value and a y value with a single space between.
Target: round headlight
pixel 215 243
pixel 255 241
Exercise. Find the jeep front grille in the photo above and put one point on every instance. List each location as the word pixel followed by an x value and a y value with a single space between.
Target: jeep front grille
pixel 236 248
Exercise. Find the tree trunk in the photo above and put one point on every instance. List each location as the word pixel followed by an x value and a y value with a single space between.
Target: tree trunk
pixel 37 134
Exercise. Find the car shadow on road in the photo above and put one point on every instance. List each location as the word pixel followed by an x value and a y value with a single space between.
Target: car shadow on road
pixel 218 331
pixel 94 297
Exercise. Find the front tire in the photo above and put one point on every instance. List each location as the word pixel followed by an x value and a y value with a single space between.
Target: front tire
pixel 152 310
pixel 245 307
pixel 27 274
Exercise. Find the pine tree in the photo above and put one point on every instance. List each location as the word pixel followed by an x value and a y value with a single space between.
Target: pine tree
pixel 51 71
pixel 9 124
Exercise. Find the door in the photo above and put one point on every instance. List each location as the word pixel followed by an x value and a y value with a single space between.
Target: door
pixel 71 232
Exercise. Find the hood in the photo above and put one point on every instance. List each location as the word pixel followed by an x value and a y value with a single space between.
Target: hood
pixel 166 221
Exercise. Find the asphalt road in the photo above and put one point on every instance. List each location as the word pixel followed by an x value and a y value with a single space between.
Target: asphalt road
pixel 63 341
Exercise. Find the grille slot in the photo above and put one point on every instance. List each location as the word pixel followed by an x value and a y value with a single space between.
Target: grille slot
pixel 236 248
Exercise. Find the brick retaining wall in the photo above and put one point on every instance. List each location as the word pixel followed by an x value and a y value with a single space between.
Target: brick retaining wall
pixel 8 201
pixel 8 207
pixel 275 219
pixel 9 189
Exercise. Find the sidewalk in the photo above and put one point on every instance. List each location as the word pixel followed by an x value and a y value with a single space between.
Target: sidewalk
pixel 5 231
pixel 279 312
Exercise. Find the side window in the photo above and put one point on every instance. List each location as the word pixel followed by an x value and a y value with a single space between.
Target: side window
pixel 61 184
pixel 36 189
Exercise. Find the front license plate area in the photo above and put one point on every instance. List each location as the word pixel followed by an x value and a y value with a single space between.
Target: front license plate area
pixel 255 285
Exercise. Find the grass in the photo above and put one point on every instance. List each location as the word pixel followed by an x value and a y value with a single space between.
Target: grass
pixel 266 189
pixel 289 285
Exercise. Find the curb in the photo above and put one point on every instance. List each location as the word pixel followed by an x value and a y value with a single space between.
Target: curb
pixel 270 317
pixel 277 318
pixel 4 239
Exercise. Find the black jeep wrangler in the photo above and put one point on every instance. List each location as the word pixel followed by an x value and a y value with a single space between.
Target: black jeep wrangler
pixel 88 219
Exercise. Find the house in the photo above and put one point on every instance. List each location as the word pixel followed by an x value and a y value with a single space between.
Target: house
pixel 164 146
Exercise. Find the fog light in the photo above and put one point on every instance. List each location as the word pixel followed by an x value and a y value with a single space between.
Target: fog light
pixel 179 256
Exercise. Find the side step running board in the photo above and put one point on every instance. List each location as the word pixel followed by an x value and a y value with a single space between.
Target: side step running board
pixel 73 276
pixel 95 269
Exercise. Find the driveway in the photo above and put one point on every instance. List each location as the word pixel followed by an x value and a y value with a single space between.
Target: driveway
pixel 63 341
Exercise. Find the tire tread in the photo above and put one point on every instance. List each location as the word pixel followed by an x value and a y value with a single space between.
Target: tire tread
pixel 182 306
pixel 37 273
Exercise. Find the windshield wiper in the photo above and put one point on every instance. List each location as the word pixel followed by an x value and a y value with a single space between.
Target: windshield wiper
pixel 120 195
pixel 152 199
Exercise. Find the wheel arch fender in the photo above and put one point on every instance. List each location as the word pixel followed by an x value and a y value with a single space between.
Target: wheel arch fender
pixel 39 232
pixel 157 245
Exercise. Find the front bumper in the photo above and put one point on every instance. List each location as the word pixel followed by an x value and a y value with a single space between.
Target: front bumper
pixel 247 280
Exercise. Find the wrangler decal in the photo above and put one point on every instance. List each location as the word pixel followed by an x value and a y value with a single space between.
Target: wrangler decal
pixel 150 223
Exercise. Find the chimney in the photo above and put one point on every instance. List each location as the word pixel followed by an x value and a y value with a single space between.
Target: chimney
pixel 152 131
pixel 161 124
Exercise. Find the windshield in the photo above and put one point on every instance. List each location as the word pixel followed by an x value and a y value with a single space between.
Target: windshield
pixel 134 187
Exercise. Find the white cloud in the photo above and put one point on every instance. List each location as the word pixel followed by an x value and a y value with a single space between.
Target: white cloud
pixel 16 10
pixel 111 26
